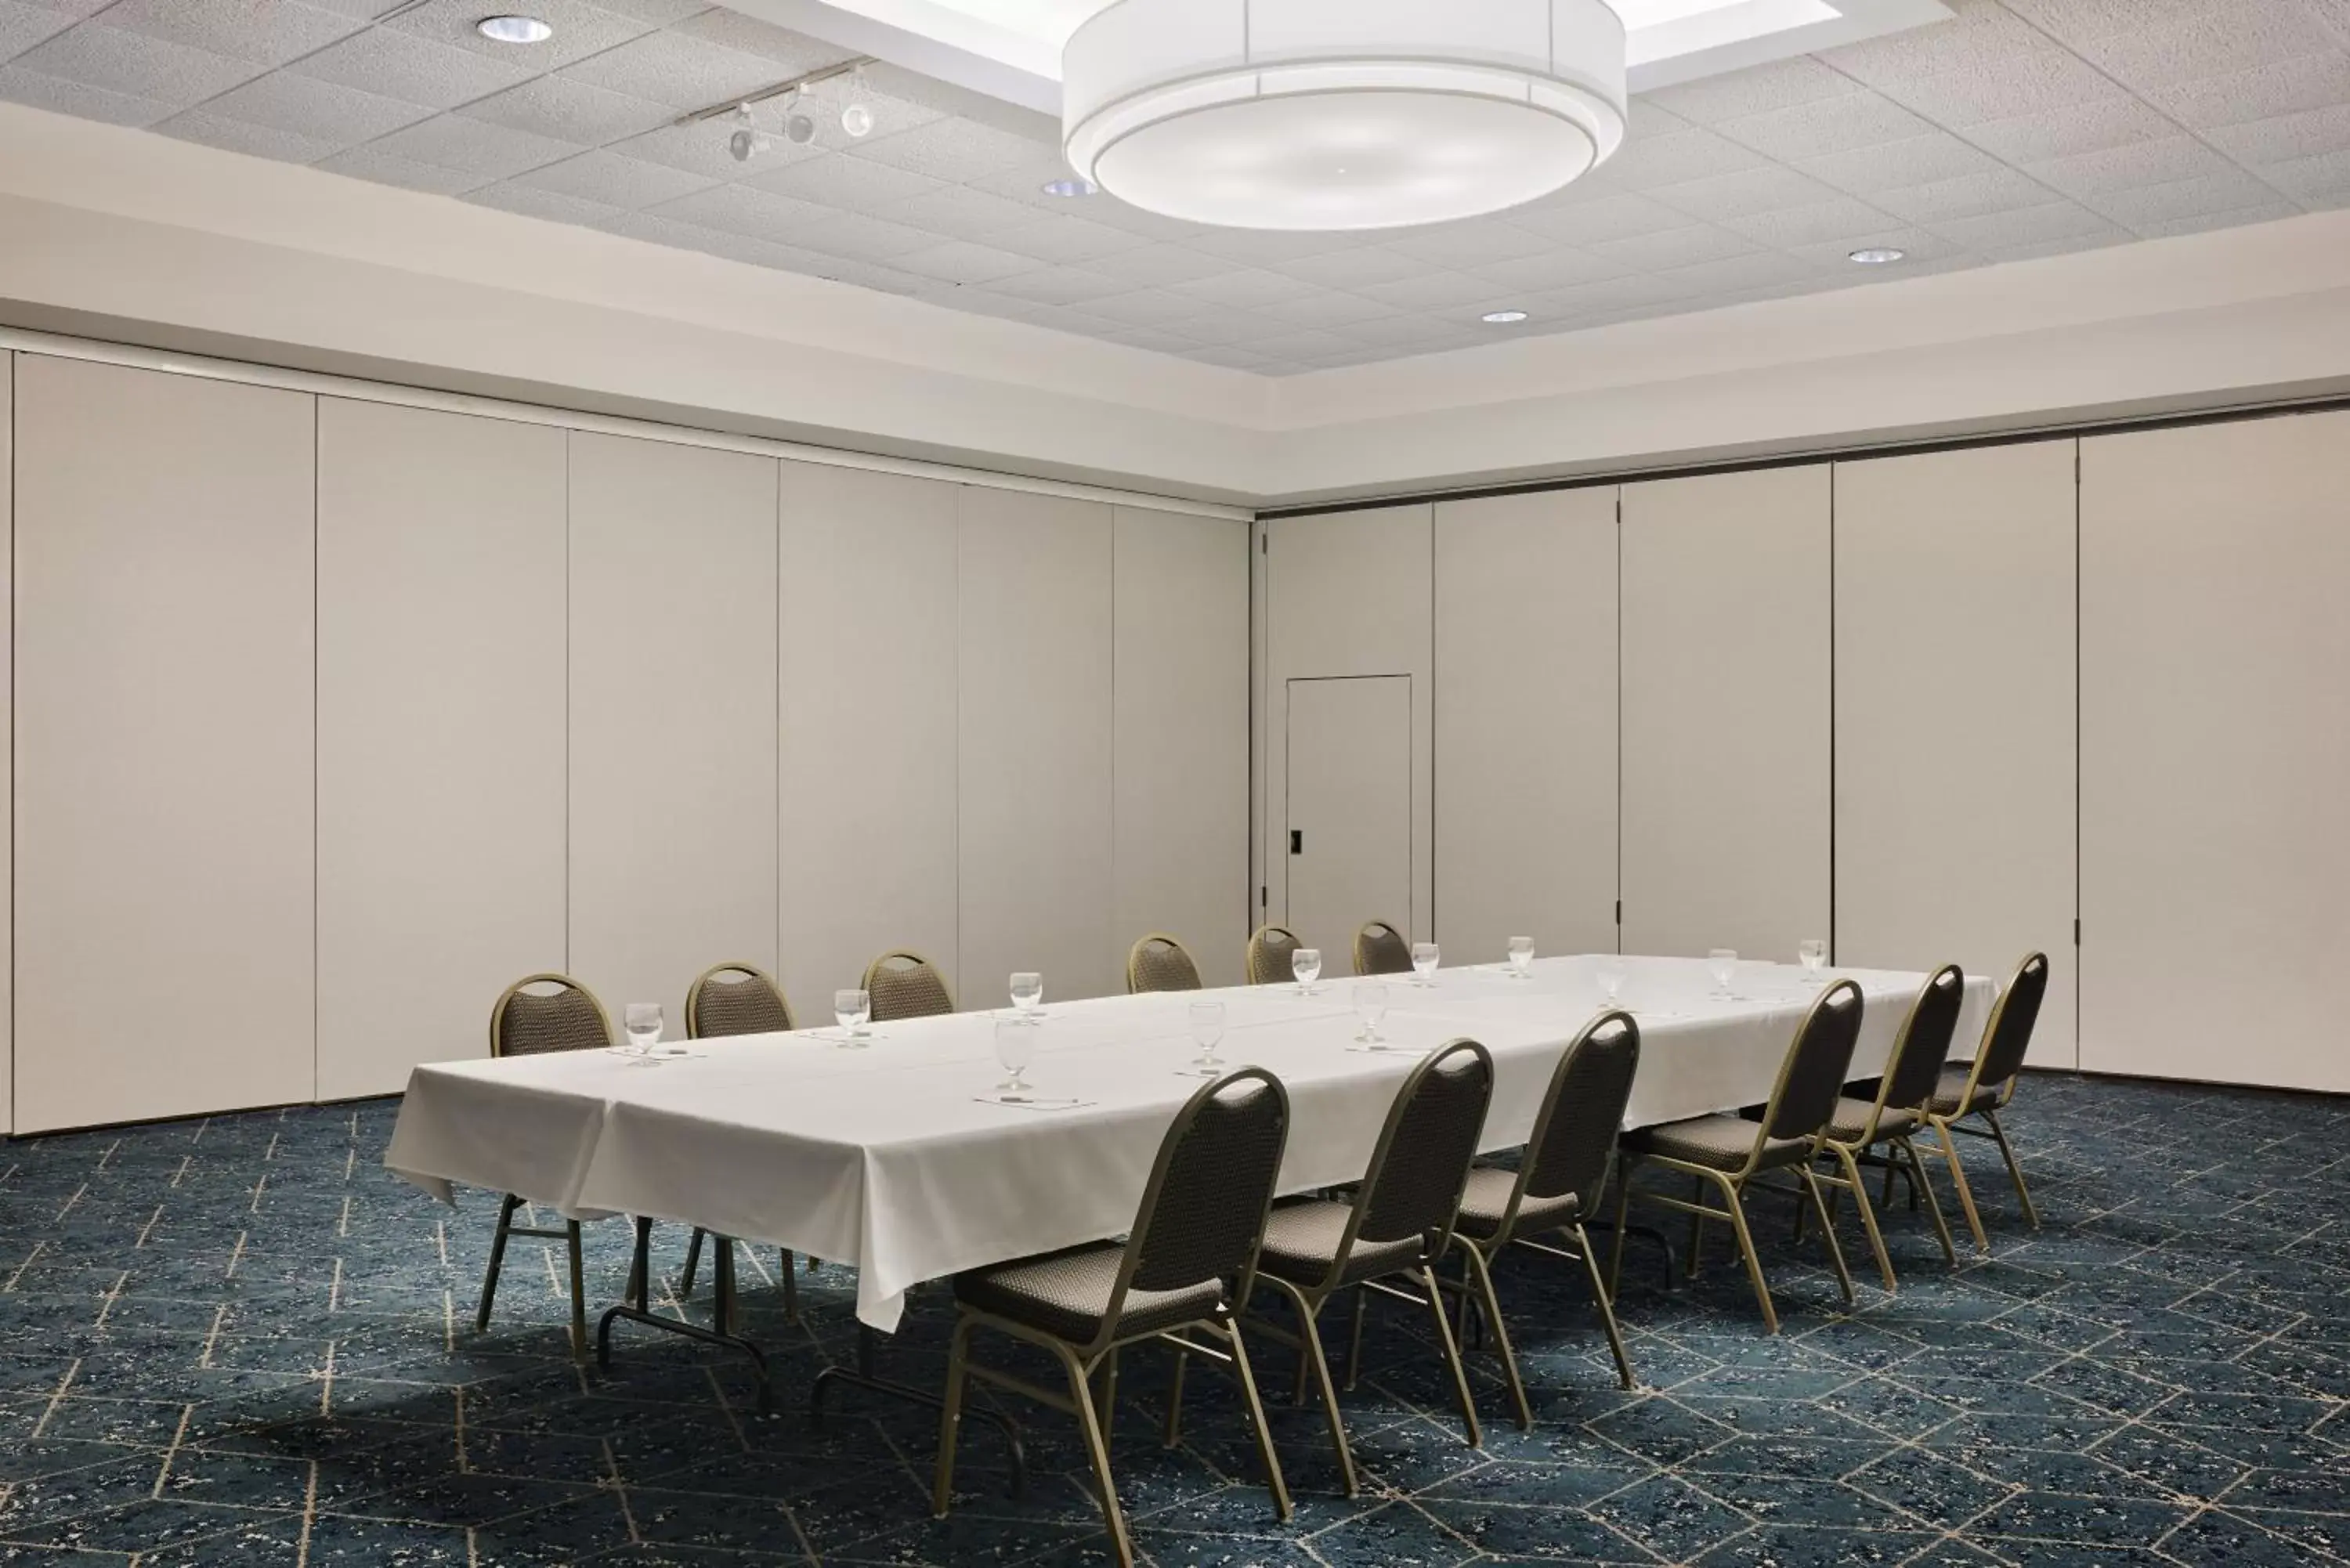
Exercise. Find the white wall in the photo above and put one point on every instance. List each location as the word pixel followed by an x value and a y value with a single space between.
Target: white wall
pixel 1726 713
pixel 165 682
pixel 442 772
pixel 1526 722
pixel 2215 758
pixel 1956 716
pixel 623 705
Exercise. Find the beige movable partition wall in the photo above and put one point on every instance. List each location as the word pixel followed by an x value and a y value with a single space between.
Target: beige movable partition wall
pixel 867 734
pixel 1525 724
pixel 1180 722
pixel 1347 594
pixel 1956 706
pixel 1034 719
pixel 7 728
pixel 673 661
pixel 441 732
pixel 164 687
pixel 1726 713
pixel 2215 758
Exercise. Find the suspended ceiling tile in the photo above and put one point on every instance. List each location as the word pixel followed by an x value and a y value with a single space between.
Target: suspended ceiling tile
pixel 260 32
pixel 390 63
pixel 136 65
pixel 314 109
pixel 568 110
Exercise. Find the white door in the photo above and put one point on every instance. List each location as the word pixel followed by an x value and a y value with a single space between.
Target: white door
pixel 1348 837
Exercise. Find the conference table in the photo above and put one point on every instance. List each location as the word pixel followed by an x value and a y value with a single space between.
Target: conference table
pixel 893 1157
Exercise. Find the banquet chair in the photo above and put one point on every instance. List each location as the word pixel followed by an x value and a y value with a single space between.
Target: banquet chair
pixel 1556 1185
pixel 525 1023
pixel 1269 948
pixel 1159 962
pixel 1396 1224
pixel 1984 1088
pixel 736 999
pixel 1731 1152
pixel 1857 1126
pixel 1202 1218
pixel 1380 949
pixel 902 984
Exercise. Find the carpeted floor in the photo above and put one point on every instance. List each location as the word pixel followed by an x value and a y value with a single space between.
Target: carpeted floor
pixel 240 1341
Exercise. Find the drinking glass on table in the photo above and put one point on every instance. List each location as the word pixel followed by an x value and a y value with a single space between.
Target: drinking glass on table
pixel 1207 1033
pixel 1370 1006
pixel 1306 963
pixel 1723 964
pixel 1522 957
pixel 1015 1047
pixel 1611 977
pixel 1423 963
pixel 1814 955
pixel 643 1021
pixel 1028 994
pixel 850 1009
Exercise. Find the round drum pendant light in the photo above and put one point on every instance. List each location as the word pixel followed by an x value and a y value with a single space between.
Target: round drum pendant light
pixel 1341 114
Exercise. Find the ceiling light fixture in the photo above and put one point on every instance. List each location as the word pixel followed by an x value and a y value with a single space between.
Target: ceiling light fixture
pixel 1336 114
pixel 513 29
pixel 1069 188
pixel 1503 318
pixel 856 120
pixel 1878 255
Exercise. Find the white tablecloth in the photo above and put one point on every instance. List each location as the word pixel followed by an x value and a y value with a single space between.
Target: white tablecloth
pixel 885 1157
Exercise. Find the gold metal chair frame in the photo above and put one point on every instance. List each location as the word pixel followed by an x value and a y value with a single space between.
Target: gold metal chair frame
pixel 911 957
pixel 1251 964
pixel 1734 1185
pixel 1482 1252
pixel 1849 1156
pixel 1957 1122
pixel 1093 1406
pixel 1307 1301
pixel 510 1203
pixel 1134 986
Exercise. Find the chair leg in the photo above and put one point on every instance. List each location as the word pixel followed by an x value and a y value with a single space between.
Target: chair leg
pixel 1089 1421
pixel 951 1416
pixel 578 1291
pixel 1109 1393
pixel 1174 1431
pixel 1354 1337
pixel 1918 1184
pixel 791 1290
pixel 1310 1350
pixel 1615 1251
pixel 1696 1224
pixel 693 1264
pixel 1868 1215
pixel 1827 1231
pixel 1601 1295
pixel 1492 1307
pixel 506 1207
pixel 2014 1172
pixel 1273 1481
pixel 1451 1349
pixel 1735 1202
pixel 1958 1180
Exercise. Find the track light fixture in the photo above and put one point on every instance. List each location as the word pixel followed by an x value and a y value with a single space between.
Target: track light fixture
pixel 747 139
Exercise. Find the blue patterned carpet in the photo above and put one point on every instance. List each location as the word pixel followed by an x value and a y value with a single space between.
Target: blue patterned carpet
pixel 239 1341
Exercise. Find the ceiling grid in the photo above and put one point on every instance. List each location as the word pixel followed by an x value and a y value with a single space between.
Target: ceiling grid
pixel 2019 129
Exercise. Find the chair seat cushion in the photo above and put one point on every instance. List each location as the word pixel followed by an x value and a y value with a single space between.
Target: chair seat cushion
pixel 1849 1124
pixel 1487 1199
pixel 1067 1295
pixel 1953 1088
pixel 1717 1143
pixel 1300 1240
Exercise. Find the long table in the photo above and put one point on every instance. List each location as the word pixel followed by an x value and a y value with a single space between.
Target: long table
pixel 889 1157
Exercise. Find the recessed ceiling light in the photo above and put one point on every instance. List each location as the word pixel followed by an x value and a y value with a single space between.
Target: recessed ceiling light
pixel 1503 318
pixel 1878 255
pixel 513 29
pixel 1070 187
